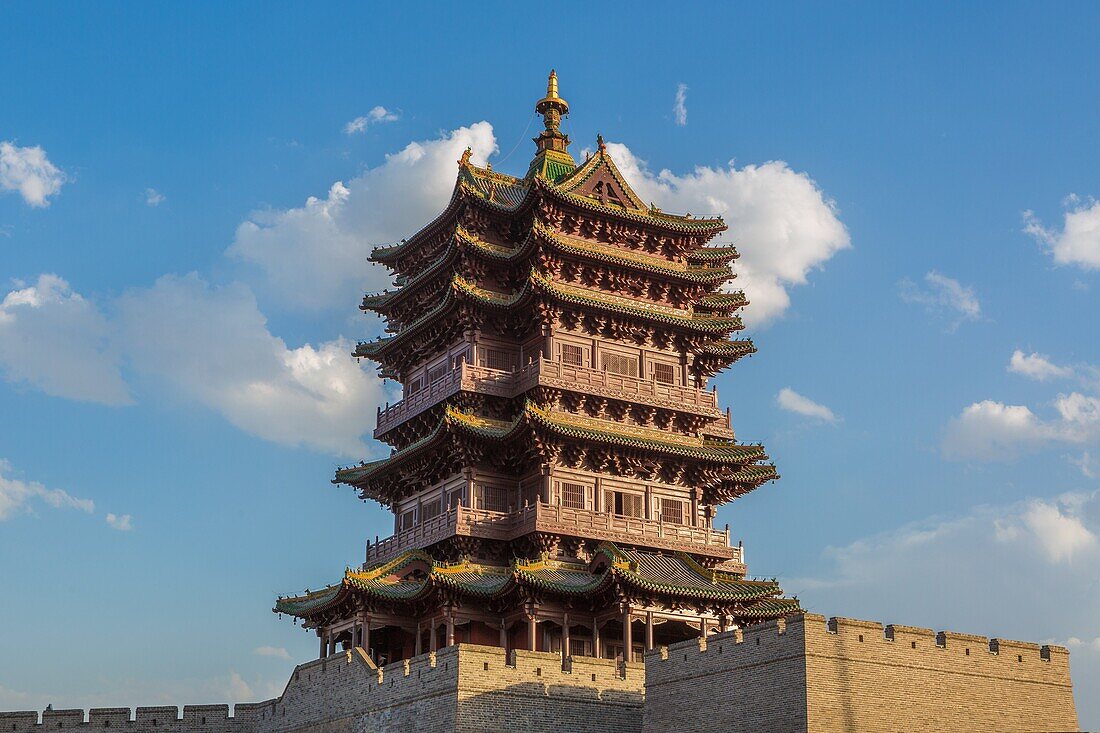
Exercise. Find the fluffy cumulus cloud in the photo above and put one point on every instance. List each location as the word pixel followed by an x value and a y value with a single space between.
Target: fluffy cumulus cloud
pixel 679 107
pixel 944 297
pixel 1037 366
pixel 315 256
pixel 271 651
pixel 782 222
pixel 60 342
pixel 1077 243
pixel 1023 571
pixel 18 496
pixel 212 345
pixel 792 401
pixel 991 430
pixel 376 115
pixel 29 172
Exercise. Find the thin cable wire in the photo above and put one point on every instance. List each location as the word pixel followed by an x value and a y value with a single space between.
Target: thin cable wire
pixel 521 136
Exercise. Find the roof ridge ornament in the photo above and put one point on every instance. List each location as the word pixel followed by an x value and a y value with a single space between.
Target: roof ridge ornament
pixel 552 107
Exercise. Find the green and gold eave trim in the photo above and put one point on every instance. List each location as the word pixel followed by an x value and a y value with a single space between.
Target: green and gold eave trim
pixel 509 194
pixel 576 427
pixel 705 323
pixel 674 576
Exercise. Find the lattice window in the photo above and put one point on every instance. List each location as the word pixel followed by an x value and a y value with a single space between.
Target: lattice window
pixel 624 504
pixel 573 495
pixel 415 385
pixel 664 373
pixel 407 520
pixel 572 355
pixel 457 359
pixel 430 510
pixel 436 373
pixel 619 364
pixel 454 499
pixel 672 511
pixel 493 498
pixel 497 359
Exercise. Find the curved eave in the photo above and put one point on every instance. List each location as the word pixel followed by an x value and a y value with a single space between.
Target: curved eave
pixel 733 349
pixel 464 190
pixel 312 602
pixel 650 217
pixel 650 264
pixel 452 421
pixel 703 323
pixel 675 577
pixel 724 301
pixel 607 432
pixel 713 254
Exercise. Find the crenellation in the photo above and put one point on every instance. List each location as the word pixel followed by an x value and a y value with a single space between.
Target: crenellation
pixel 62 718
pixel 847 674
pixel 108 717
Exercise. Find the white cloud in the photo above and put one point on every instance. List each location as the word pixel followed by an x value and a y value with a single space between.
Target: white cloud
pixel 21 496
pixel 212 345
pixel 943 296
pixel 782 223
pixel 56 340
pixel 1078 243
pixel 1037 366
pixel 30 172
pixel 990 430
pixel 792 401
pixel 271 651
pixel 238 688
pixel 1022 571
pixel 679 108
pixel 315 256
pixel 1057 532
pixel 153 197
pixel 376 115
pixel 122 523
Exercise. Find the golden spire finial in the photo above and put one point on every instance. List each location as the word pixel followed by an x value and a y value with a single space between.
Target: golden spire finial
pixel 552 107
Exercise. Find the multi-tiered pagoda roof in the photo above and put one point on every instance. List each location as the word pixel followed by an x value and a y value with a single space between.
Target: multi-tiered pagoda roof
pixel 557 451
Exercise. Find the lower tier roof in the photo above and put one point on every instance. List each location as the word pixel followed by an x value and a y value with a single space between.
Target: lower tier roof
pixel 674 578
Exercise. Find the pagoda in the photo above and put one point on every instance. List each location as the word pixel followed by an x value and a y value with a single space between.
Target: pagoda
pixel 557 457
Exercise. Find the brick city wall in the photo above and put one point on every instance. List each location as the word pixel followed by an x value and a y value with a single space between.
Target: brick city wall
pixel 809 676
pixel 460 689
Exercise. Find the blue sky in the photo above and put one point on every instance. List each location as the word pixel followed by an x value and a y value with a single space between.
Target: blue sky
pixel 187 200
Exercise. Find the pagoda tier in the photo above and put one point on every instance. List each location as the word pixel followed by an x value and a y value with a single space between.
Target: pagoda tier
pixel 557 454
pixel 414 603
pixel 721 470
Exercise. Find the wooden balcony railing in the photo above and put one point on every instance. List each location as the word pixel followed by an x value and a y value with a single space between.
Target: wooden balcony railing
pixel 541 517
pixel 472 378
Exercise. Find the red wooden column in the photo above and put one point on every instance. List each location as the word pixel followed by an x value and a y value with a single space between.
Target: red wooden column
pixel 324 643
pixel 566 652
pixel 628 635
pixel 532 631
pixel 418 645
pixel 450 620
pixel 649 631
pixel 596 650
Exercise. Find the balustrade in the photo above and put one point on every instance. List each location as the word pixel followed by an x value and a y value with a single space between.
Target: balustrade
pixel 473 378
pixel 552 518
